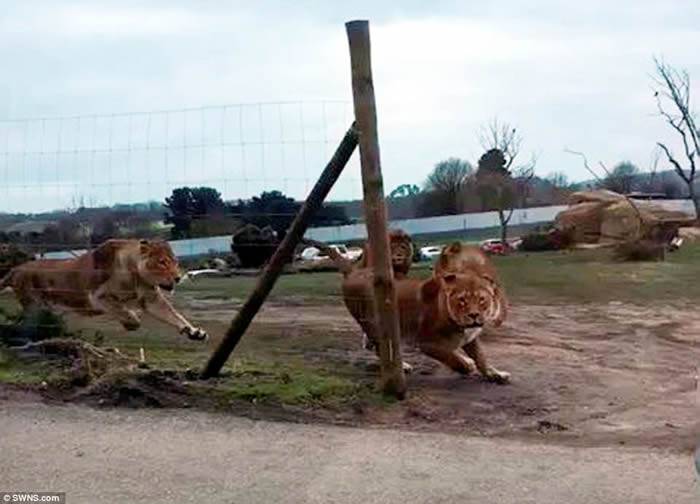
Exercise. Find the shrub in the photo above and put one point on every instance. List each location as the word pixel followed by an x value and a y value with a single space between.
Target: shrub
pixel 538 241
pixel 11 256
pixel 640 250
pixel 30 326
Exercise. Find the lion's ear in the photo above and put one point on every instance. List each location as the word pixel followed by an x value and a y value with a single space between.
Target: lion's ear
pixel 144 246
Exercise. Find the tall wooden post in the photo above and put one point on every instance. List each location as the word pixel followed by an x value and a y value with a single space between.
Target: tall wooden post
pixel 386 307
pixel 284 251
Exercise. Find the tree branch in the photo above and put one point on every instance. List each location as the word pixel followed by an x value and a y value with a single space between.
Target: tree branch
pixel 676 164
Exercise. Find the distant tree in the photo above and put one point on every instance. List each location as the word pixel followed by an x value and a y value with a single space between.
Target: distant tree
pixel 558 179
pixel 446 182
pixel 672 93
pixel 622 177
pixel 206 201
pixel 186 204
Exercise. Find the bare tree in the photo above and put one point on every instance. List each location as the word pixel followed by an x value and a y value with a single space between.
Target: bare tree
pixel 501 184
pixel 672 93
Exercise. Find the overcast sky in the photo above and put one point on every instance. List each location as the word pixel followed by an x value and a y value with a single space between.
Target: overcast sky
pixel 566 74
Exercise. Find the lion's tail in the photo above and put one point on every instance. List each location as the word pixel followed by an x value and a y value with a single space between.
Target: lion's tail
pixel 344 265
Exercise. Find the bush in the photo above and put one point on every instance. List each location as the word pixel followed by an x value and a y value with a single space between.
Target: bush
pixel 30 326
pixel 539 241
pixel 11 256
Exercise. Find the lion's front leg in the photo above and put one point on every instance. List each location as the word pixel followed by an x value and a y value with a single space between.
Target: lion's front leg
pixel 159 307
pixel 474 350
pixel 456 360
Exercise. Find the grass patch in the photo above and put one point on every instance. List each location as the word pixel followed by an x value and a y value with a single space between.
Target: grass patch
pixel 271 382
pixel 28 372
pixel 593 276
pixel 543 277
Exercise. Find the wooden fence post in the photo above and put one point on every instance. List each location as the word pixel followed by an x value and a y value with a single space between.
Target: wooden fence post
pixel 386 307
pixel 284 251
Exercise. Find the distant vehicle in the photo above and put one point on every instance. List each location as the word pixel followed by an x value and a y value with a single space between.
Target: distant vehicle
pixel 495 247
pixel 314 254
pixel 430 252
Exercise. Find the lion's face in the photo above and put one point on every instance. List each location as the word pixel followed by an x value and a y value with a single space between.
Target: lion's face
pixel 401 251
pixel 159 266
pixel 470 299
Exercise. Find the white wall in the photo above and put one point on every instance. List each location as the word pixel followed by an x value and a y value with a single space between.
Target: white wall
pixel 442 224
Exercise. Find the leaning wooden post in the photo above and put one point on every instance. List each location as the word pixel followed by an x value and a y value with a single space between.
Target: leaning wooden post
pixel 281 256
pixel 386 306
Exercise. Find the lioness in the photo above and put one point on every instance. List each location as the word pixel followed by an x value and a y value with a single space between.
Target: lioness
pixel 119 278
pixel 458 258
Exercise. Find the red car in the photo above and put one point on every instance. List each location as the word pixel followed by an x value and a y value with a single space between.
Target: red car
pixel 495 247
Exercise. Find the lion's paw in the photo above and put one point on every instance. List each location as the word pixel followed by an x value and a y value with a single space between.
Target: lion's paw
pixel 195 333
pixel 496 376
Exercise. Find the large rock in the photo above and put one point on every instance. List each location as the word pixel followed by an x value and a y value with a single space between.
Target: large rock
pixel 605 217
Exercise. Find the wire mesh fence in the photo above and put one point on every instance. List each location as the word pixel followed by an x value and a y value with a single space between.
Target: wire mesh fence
pixel 241 150
pixel 71 182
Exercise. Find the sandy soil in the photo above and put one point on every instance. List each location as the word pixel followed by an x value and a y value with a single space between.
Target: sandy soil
pixel 584 374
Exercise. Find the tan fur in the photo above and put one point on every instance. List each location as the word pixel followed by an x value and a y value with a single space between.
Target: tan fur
pixel 459 258
pixel 358 292
pixel 435 314
pixel 462 297
pixel 119 278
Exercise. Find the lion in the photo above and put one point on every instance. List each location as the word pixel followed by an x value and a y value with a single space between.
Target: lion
pixel 462 295
pixel 458 258
pixel 401 247
pixel 455 308
pixel 119 278
pixel 358 289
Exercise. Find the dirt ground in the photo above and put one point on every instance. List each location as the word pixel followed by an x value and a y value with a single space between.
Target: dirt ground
pixel 591 374
pixel 600 354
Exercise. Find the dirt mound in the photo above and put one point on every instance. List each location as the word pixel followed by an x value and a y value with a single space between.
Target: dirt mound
pixel 604 217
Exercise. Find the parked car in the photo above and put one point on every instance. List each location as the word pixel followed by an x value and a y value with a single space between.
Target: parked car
pixel 495 247
pixel 314 254
pixel 429 253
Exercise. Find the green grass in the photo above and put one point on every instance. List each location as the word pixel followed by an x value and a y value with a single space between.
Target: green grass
pixel 307 286
pixel 547 277
pixel 288 384
pixel 27 372
pixel 592 276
